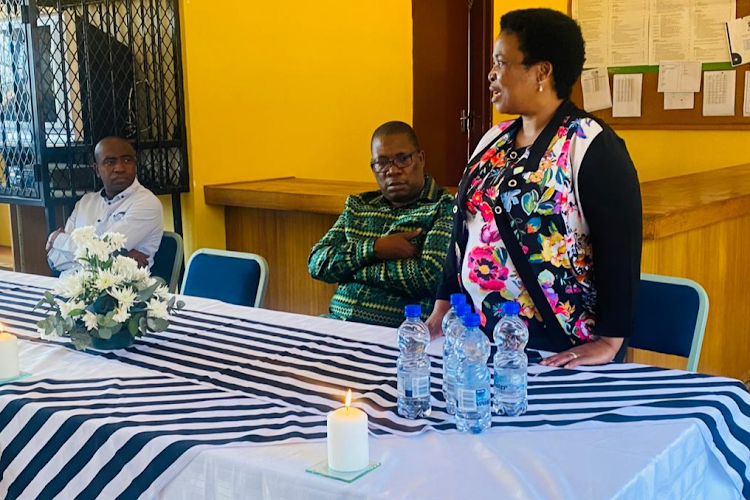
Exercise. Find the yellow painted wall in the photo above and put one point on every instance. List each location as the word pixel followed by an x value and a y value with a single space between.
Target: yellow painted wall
pixel 658 154
pixel 289 88
pixel 5 237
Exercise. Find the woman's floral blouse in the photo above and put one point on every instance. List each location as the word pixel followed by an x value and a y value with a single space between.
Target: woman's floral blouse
pixel 575 211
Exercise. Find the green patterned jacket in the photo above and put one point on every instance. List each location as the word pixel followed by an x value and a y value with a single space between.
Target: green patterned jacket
pixel 375 291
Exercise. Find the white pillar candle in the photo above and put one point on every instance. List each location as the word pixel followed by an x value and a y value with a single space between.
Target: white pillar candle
pixel 8 355
pixel 348 442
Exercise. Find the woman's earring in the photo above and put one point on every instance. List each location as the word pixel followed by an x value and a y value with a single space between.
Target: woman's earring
pixel 541 89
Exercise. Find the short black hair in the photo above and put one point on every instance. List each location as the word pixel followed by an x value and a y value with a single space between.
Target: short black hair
pixel 394 128
pixel 549 35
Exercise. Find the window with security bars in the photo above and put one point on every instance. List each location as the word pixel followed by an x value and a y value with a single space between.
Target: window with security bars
pixel 73 72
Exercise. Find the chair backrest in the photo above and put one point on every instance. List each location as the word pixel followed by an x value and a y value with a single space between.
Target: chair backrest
pixel 671 317
pixel 234 277
pixel 168 260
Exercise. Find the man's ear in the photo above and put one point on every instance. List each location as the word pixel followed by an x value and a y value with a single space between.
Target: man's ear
pixel 421 155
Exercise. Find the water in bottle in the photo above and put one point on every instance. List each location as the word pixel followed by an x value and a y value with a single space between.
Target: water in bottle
pixel 510 363
pixel 413 365
pixel 452 331
pixel 473 378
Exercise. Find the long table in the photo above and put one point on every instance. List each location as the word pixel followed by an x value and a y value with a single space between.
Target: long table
pixel 534 456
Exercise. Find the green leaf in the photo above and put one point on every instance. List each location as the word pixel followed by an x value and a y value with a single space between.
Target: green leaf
pixel 81 338
pixel 116 329
pixel 546 208
pixel 157 324
pixel 536 258
pixel 529 201
pixel 171 302
pixel 59 329
pixel 548 194
pixel 105 333
pixel 133 326
pixel 146 293
pixel 142 326
pixel 517 170
pixel 180 304
pixel 76 312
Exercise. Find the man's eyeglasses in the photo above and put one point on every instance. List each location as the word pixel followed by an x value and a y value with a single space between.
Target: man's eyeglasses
pixel 402 161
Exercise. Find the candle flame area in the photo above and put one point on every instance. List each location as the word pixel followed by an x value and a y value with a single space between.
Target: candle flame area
pixel 348 398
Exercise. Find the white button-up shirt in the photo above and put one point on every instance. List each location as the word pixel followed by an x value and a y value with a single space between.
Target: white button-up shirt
pixel 136 213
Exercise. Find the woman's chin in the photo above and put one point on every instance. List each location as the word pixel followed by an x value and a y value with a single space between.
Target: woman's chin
pixel 501 108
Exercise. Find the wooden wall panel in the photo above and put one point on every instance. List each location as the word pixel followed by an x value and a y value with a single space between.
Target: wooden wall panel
pixel 715 257
pixel 284 239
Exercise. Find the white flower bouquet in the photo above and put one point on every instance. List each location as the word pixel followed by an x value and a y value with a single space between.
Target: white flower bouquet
pixel 109 300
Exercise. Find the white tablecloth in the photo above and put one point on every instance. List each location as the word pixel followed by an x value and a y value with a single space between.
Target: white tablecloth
pixel 654 461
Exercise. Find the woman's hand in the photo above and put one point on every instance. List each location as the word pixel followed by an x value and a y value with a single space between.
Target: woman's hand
pixel 600 351
pixel 435 321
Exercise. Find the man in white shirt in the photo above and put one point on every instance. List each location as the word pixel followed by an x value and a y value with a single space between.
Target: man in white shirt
pixel 123 206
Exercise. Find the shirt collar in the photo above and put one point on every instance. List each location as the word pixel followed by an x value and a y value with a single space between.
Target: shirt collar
pixel 127 192
pixel 430 193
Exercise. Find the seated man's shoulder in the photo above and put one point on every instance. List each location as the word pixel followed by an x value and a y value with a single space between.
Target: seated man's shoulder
pixel 149 199
pixel 362 200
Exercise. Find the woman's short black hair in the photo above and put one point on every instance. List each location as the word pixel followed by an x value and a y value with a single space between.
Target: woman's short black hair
pixel 549 35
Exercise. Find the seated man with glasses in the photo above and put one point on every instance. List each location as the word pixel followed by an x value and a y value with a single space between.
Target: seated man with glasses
pixel 387 249
pixel 122 206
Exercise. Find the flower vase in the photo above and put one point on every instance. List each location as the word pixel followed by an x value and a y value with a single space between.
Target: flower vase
pixel 119 340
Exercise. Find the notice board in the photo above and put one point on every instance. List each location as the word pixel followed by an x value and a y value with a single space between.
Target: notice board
pixel 655 117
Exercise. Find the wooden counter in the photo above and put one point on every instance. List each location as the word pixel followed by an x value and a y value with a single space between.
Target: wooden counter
pixel 695 226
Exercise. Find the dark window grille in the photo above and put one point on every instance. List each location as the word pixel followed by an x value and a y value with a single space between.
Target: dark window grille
pixel 73 72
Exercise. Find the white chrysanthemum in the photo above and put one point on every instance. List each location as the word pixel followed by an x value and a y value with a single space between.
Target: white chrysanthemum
pixel 72 305
pixel 157 309
pixel 125 267
pixel 121 315
pixel 116 241
pixel 99 249
pixel 125 297
pixel 70 285
pixel 162 292
pixel 106 280
pixel 89 319
pixel 83 236
pixel 141 278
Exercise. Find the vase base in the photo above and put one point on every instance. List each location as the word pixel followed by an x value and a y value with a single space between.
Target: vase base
pixel 119 340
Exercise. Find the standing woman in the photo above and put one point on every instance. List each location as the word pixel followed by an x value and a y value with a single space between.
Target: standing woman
pixel 548 212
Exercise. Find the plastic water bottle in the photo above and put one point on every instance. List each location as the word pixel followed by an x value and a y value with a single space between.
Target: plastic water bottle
pixel 473 378
pixel 456 300
pixel 511 363
pixel 452 331
pixel 413 366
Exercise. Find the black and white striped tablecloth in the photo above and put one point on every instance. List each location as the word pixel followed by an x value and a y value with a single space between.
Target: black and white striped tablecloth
pixel 289 379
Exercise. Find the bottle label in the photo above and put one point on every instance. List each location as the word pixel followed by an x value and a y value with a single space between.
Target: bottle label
pixel 506 381
pixel 471 400
pixel 413 387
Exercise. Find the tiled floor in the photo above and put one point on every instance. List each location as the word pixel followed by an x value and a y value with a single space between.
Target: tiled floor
pixel 6 258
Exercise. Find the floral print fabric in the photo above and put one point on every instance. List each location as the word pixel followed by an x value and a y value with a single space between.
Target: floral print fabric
pixel 543 207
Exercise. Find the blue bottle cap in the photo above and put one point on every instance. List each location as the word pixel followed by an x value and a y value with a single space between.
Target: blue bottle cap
pixel 458 298
pixel 462 309
pixel 471 320
pixel 511 308
pixel 413 311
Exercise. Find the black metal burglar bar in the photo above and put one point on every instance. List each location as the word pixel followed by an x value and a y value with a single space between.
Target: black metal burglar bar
pixel 75 71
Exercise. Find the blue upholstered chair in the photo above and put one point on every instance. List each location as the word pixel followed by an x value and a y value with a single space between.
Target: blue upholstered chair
pixel 671 317
pixel 168 260
pixel 234 277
